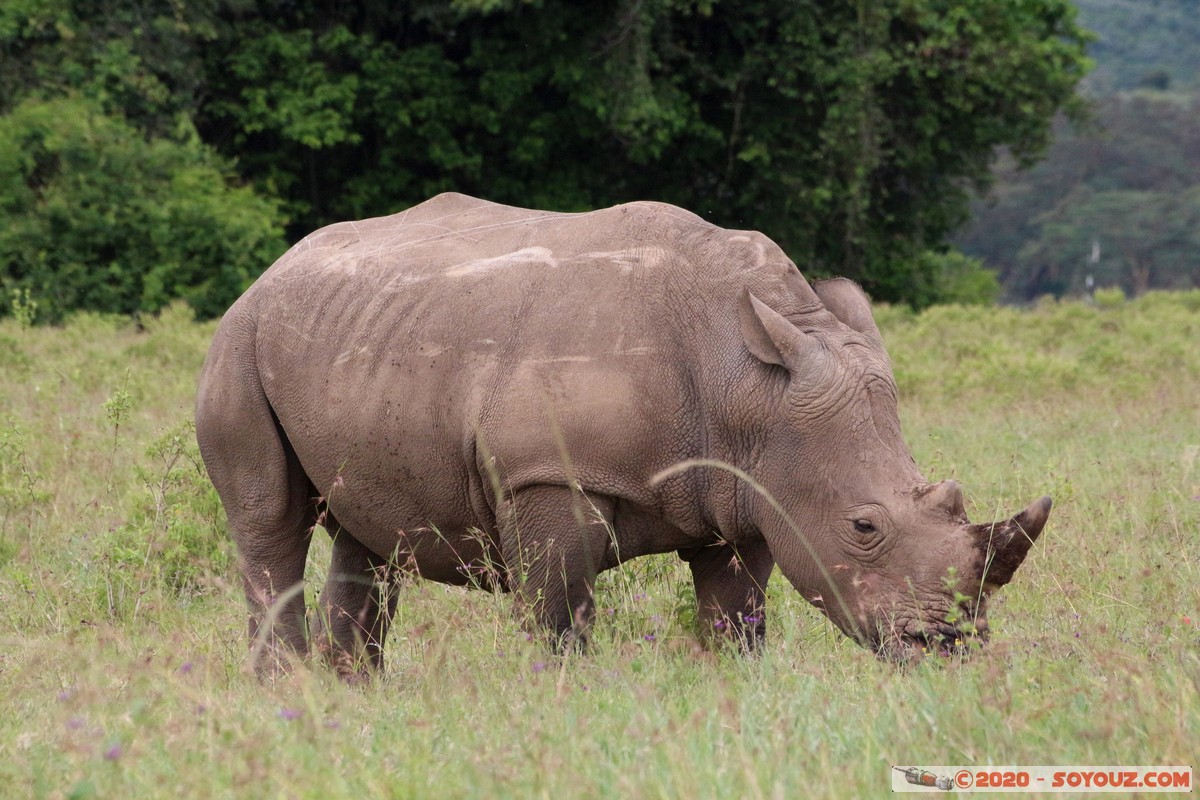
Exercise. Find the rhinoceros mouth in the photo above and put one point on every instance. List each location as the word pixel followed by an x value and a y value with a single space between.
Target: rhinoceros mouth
pixel 942 640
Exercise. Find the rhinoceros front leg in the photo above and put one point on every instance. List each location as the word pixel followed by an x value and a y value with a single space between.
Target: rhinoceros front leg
pixel 731 585
pixel 355 608
pixel 553 541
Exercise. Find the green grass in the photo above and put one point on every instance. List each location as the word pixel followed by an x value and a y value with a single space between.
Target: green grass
pixel 122 629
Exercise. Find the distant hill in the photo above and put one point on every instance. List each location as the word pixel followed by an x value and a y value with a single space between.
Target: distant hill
pixel 1143 44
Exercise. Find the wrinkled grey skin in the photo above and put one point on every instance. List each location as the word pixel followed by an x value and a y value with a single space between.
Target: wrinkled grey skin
pixel 484 395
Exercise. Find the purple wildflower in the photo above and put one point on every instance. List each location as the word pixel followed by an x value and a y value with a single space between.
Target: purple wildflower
pixel 74 723
pixel 539 666
pixel 185 668
pixel 649 637
pixel 113 752
pixel 289 714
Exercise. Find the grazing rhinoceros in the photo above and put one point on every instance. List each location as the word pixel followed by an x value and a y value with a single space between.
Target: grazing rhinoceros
pixel 503 397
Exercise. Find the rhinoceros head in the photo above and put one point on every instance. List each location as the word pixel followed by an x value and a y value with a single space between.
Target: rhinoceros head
pixel 891 558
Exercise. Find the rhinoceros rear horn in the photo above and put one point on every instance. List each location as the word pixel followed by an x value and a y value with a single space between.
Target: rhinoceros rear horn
pixel 1007 543
pixel 946 496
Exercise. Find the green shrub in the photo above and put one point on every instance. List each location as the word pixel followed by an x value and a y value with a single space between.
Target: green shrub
pixel 173 538
pixel 187 512
pixel 963 280
pixel 95 216
pixel 23 307
pixel 939 278
pixel 20 488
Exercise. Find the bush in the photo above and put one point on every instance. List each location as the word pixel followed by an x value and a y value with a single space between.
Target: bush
pixel 174 537
pixel 183 520
pixel 942 278
pixel 20 492
pixel 964 280
pixel 94 216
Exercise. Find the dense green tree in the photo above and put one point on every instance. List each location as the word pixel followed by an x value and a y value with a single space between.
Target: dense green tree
pixel 95 216
pixel 137 59
pixel 109 201
pixel 849 131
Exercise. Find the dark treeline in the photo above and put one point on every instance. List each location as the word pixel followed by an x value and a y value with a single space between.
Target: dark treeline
pixel 153 149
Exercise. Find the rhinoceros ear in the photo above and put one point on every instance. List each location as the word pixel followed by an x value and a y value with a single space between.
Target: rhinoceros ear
pixel 846 300
pixel 773 340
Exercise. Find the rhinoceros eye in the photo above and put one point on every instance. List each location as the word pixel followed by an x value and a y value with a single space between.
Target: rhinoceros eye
pixel 864 526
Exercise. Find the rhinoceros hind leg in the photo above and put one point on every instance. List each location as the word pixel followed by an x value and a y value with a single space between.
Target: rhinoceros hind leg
pixel 553 541
pixel 355 608
pixel 266 494
pixel 267 498
pixel 273 580
pixel 731 585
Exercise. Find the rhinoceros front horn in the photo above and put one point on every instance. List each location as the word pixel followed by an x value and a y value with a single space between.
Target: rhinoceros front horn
pixel 1007 543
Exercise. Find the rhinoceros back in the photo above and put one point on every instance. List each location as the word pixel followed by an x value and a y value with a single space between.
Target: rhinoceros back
pixel 400 354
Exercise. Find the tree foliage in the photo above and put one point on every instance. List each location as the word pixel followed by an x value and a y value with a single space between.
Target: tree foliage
pixel 95 216
pixel 850 132
pixel 109 201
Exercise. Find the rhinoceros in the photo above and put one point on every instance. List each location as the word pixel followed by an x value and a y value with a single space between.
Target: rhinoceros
pixel 518 400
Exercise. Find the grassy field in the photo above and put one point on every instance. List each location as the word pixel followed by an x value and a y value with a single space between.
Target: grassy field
pixel 122 627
